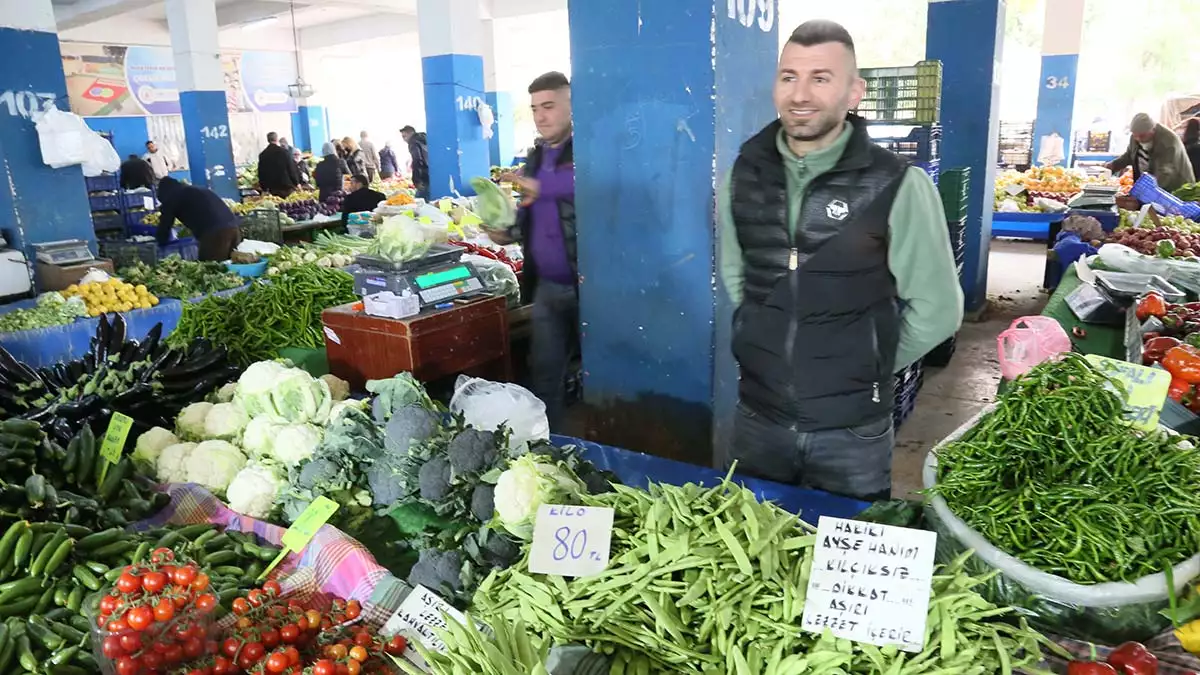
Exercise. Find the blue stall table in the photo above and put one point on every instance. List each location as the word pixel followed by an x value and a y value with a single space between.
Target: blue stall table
pixel 48 346
pixel 637 469
pixel 1024 225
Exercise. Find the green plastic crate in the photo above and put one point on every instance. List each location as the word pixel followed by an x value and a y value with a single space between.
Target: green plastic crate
pixel 906 94
pixel 954 186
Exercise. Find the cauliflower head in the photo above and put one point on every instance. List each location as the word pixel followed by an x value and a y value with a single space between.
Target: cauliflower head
pixel 295 442
pixel 225 420
pixel 258 438
pixel 190 423
pixel 213 464
pixel 255 385
pixel 150 445
pixel 530 481
pixel 226 393
pixel 253 490
pixel 170 465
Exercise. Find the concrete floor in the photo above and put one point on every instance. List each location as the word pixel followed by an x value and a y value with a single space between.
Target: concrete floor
pixel 953 394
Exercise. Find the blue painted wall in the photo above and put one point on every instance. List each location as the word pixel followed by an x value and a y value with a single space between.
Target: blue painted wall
pixel 209 148
pixel 37 203
pixel 1056 102
pixel 967 37
pixel 129 134
pixel 500 147
pixel 651 112
pixel 457 149
pixel 309 128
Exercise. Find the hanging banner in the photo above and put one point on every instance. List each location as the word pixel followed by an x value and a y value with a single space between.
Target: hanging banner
pixel 118 80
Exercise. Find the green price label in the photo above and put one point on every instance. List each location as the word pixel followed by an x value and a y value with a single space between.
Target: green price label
pixel 305 528
pixel 114 438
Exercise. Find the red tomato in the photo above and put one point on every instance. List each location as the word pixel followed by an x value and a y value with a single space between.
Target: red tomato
pixel 181 601
pixel 240 606
pixel 140 618
pixel 221 666
pixel 153 582
pixel 272 588
pixel 162 555
pixel 231 646
pixel 206 602
pixel 128 583
pixel 173 653
pixel 108 605
pixel 353 667
pixel 128 665
pixel 256 597
pixel 288 633
pixel 164 611
pixel 246 663
pixel 277 662
pixel 112 648
pixel 324 667
pixel 358 653
pixel 118 625
pixel 396 645
pixel 338 652
pixel 353 609
pixel 343 669
pixel 270 638
pixel 193 648
pixel 200 583
pixel 131 642
pixel 254 651
pixel 363 639
pixel 152 660
pixel 302 624
pixel 293 655
pixel 185 575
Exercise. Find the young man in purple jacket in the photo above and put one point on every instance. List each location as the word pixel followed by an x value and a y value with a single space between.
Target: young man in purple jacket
pixel 546 228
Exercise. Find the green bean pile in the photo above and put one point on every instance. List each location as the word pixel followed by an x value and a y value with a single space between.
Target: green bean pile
pixel 271 315
pixel 1055 477
pixel 710 580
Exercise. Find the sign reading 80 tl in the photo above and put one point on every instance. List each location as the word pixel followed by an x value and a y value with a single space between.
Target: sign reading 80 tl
pixel 746 11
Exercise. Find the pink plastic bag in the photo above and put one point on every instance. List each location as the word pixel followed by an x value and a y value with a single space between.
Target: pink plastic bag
pixel 1028 341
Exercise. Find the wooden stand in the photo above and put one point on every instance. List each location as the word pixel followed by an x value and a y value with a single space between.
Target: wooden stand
pixel 468 338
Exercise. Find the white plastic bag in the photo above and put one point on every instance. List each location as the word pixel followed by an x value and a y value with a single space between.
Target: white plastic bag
pixel 486 405
pixel 94 275
pixel 486 119
pixel 1181 272
pixel 100 156
pixel 62 137
pixel 1052 151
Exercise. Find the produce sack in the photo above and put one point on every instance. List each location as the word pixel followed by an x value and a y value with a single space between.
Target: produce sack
pixel 487 405
pixel 1109 613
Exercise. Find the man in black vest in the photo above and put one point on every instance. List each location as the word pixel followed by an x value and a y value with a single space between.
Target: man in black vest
pixel 546 229
pixel 837 254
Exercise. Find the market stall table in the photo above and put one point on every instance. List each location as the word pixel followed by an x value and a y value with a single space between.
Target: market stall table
pixel 47 346
pixel 305 230
pixel 471 337
pixel 1024 225
pixel 1097 339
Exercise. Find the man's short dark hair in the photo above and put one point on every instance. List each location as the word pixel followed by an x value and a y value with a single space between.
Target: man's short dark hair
pixel 552 81
pixel 132 156
pixel 361 179
pixel 408 130
pixel 272 137
pixel 824 31
pixel 149 143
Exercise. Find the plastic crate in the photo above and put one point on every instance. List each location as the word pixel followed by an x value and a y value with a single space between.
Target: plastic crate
pixel 263 225
pixel 137 218
pixel 188 249
pixel 907 385
pixel 955 187
pixel 958 236
pixel 921 144
pixel 941 354
pixel 107 220
pixel 127 253
pixel 105 202
pixel 911 94
pixel 137 200
pixel 107 182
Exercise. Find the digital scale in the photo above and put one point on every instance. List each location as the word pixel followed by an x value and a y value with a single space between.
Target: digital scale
pixel 65 252
pixel 440 276
pixel 1095 197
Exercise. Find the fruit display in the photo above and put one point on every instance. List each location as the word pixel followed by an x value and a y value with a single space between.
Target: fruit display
pixel 399 199
pixel 114 295
pixel 1170 237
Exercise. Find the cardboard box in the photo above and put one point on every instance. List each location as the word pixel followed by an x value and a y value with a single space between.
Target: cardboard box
pixel 58 277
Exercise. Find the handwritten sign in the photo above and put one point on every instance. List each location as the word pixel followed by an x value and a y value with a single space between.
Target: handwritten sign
pixel 419 615
pixel 571 541
pixel 305 528
pixel 113 443
pixel 870 583
pixel 1145 389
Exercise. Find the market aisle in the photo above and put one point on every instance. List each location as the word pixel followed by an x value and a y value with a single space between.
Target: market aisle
pixel 952 394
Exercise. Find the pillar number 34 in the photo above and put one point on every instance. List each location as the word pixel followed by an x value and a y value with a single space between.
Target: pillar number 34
pixel 1053 82
pixel 746 11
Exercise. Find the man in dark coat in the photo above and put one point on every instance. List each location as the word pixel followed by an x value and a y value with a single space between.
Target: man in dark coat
pixel 277 172
pixel 136 173
pixel 361 197
pixel 418 148
pixel 200 210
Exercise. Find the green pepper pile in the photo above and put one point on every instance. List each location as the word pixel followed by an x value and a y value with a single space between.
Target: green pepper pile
pixel 1056 477
pixel 284 311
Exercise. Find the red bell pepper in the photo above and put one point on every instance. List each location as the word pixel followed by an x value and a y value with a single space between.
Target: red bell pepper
pixel 1183 361
pixel 1179 390
pixel 1133 658
pixel 1151 304
pixel 1155 349
pixel 1090 668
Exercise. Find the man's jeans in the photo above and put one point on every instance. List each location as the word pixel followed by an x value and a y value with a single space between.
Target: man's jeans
pixel 555 339
pixel 850 462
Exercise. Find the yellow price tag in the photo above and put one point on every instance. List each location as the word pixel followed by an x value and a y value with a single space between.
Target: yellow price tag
pixel 305 528
pixel 445 205
pixel 114 438
pixel 1145 389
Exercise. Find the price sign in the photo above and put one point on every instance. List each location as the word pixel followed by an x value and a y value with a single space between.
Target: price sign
pixel 1145 389
pixel 419 615
pixel 870 583
pixel 571 541
pixel 305 528
pixel 114 438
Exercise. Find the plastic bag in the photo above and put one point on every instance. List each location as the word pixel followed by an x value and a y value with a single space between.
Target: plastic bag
pixel 63 138
pixel 1109 613
pixel 497 277
pixel 1052 151
pixel 1180 272
pixel 1028 341
pixel 94 275
pixel 99 155
pixel 486 405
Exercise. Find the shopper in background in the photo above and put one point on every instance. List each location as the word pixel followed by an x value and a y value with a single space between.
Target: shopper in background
pixel 136 173
pixel 361 197
pixel 302 168
pixel 1156 150
pixel 418 149
pixel 356 159
pixel 546 228
pixel 837 256
pixel 159 162
pixel 283 143
pixel 204 213
pixel 329 172
pixel 277 172
pixel 387 161
pixel 1191 145
pixel 370 155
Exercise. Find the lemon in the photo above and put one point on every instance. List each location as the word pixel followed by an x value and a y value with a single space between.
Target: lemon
pixel 141 289
pixel 101 309
pixel 72 288
pixel 153 299
pixel 125 307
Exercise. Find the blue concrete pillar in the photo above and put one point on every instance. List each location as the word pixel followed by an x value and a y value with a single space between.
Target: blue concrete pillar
pixel 967 36
pixel 452 70
pixel 664 94
pixel 308 128
pixel 38 204
pixel 193 26
pixel 1060 62
pixel 500 147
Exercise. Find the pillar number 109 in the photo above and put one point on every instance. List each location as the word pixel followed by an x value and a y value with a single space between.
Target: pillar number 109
pixel 746 11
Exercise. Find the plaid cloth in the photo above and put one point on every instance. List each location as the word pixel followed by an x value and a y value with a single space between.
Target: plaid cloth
pixel 1173 659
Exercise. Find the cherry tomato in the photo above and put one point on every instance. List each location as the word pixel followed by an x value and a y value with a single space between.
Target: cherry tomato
pixel 270 638
pixel 128 583
pixel 162 555
pixel 293 655
pixel 112 648
pixel 272 588
pixel 363 639
pixel 353 667
pixel 153 582
pixel 206 602
pixel 254 650
pixel 152 660
pixel 256 597
pixel 173 653
pixel 108 605
pixel 302 623
pixel 353 609
pixel 118 625
pixel 231 646
pixel 221 666
pixel 277 662
pixel 324 667
pixel 244 623
pixel 396 645
pixel 246 663
pixel 200 583
pixel 128 665
pixel 168 571
pixel 288 633
pixel 181 601
pixel 358 653
pixel 337 652
pixel 185 575
pixel 140 618
pixel 164 611
pixel 130 642
pixel 193 648
pixel 240 606
pixel 342 669
pixel 314 618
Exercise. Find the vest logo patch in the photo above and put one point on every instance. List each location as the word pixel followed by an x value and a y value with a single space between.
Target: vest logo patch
pixel 837 209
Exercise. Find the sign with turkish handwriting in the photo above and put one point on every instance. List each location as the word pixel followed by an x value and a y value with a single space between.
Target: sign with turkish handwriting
pixel 870 583
pixel 419 615
pixel 1145 389
pixel 311 519
pixel 115 437
pixel 571 541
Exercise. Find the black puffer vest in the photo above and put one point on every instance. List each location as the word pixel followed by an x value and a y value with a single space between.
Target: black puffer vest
pixel 817 331
pixel 566 217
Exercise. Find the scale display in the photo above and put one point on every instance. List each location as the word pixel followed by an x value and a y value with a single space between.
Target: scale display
pixel 432 279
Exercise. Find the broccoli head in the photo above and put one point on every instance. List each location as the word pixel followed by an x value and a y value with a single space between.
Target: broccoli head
pixel 483 502
pixel 434 478
pixel 472 451
pixel 411 424
pixel 597 483
pixel 437 571
pixel 318 472
pixel 499 550
pixel 386 486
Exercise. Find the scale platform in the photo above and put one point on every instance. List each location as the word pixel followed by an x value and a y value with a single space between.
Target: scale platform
pixel 437 278
pixel 65 252
pixel 1095 197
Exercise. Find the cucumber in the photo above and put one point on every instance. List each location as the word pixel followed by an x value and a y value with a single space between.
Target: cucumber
pixel 86 577
pixel 45 602
pixel 219 558
pixel 103 538
pixel 19 427
pixel 113 550
pixel 59 557
pixel 27 587
pixel 48 551
pixel 75 600
pixel 25 654
pixel 9 541
pixel 23 548
pixel 19 608
pixel 35 489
